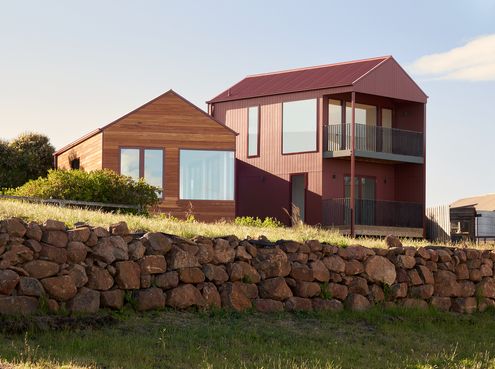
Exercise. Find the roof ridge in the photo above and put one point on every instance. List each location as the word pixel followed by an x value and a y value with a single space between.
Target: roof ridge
pixel 318 66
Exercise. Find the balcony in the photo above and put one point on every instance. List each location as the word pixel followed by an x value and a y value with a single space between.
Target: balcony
pixel 375 142
pixel 375 217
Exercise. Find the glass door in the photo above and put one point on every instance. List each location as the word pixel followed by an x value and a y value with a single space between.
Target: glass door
pixel 298 198
pixel 365 200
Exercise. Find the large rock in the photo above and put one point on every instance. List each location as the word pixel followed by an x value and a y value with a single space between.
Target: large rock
pixel 34 231
pixel 337 291
pixel 53 253
pixel 392 241
pixel 136 250
pixel 334 263
pixel 18 305
pixel 156 243
pixel 425 274
pixel 275 289
pixel 223 252
pixel 128 275
pixel 215 273
pixel 60 288
pixel 307 289
pixel 191 275
pixel 356 302
pixel 233 297
pixel 205 253
pixel 211 295
pixel 355 252
pixel 242 271
pixel 327 305
pixel 30 287
pixel 54 225
pixel 41 268
pixel 441 303
pixel 268 305
pixel 150 299
pixel 14 227
pixel 86 301
pixel 298 304
pixel 486 288
pixel 177 258
pixel 414 303
pixel 79 234
pixel 320 271
pixel 271 262
pixel 55 238
pixel 113 299
pixel 99 279
pixel 110 249
pixel 353 267
pixel 464 305
pixel 119 229
pixel 76 252
pixel 167 280
pixel 78 275
pixel 446 284
pixel 153 264
pixel 301 272
pixel 422 292
pixel 380 269
pixel 8 281
pixel 406 261
pixel 17 254
pixel 185 296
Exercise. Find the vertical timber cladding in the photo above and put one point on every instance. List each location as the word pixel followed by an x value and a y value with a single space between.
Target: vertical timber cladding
pixel 264 181
pixel 171 123
pixel 88 151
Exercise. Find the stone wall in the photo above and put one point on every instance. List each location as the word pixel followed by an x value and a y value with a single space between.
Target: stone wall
pixel 48 267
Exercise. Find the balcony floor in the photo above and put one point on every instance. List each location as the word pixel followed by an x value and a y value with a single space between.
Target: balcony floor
pixel 379 231
pixel 371 155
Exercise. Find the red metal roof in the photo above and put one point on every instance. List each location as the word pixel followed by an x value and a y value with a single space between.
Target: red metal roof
pixel 303 79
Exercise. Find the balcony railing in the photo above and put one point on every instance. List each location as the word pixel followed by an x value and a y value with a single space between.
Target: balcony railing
pixel 337 212
pixel 375 139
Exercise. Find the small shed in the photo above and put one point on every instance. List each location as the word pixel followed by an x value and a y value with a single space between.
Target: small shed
pixel 473 218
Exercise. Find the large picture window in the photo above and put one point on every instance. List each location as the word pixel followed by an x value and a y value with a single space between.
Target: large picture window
pixel 253 131
pixel 299 126
pixel 206 175
pixel 143 163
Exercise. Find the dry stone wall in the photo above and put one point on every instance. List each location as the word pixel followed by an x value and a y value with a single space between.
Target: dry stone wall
pixel 46 267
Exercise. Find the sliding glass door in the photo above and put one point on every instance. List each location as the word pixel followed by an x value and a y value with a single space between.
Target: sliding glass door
pixel 364 205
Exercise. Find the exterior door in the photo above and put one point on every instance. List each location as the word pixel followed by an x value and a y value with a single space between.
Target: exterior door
pixel 298 197
pixel 365 199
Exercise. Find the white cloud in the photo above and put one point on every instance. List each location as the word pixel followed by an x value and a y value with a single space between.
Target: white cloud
pixel 475 61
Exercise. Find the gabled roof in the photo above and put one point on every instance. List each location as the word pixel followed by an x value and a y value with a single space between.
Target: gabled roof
pixel 98 130
pixel 480 203
pixel 305 79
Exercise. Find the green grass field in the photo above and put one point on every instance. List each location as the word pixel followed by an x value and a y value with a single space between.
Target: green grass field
pixel 169 339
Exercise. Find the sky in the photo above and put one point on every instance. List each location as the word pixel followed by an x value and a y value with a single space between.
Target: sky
pixel 68 67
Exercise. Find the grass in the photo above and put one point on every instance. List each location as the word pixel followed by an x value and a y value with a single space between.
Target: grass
pixel 187 229
pixel 168 339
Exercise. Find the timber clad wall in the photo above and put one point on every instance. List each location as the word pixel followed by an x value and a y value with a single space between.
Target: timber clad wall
pixel 170 123
pixel 89 152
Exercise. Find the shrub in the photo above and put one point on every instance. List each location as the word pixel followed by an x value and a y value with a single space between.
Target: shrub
pixel 26 157
pixel 267 222
pixel 98 186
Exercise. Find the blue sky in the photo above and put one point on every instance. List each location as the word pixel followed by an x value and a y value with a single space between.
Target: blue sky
pixel 69 67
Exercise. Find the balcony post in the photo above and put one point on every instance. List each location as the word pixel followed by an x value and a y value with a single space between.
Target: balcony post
pixel 353 163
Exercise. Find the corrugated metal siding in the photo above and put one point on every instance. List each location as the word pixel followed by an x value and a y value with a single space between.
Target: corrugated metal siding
pixel 389 79
pixel 485 224
pixel 438 223
pixel 313 78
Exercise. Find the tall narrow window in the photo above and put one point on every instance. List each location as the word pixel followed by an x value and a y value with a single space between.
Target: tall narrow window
pixel 253 131
pixel 299 126
pixel 387 132
pixel 334 112
pixel 206 175
pixel 336 132
pixel 129 163
pixel 153 167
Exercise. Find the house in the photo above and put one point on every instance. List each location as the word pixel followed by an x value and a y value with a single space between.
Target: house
pixel 473 218
pixel 173 145
pixel 341 145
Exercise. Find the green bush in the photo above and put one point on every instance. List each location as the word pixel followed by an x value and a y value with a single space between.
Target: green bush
pixel 98 186
pixel 267 222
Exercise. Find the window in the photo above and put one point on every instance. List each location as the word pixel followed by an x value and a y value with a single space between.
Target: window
pixel 387 118
pixel 334 112
pixel 365 114
pixel 206 175
pixel 299 126
pixel 129 163
pixel 75 163
pixel 143 163
pixel 253 131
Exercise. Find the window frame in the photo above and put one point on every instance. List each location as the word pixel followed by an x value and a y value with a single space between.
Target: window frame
pixel 317 132
pixel 234 197
pixel 141 163
pixel 258 138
